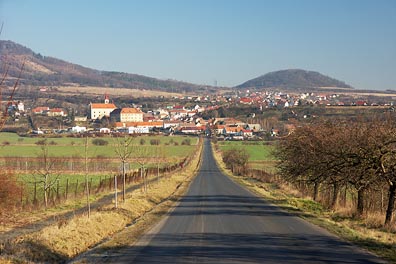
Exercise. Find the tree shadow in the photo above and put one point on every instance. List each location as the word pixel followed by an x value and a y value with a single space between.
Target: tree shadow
pixel 241 248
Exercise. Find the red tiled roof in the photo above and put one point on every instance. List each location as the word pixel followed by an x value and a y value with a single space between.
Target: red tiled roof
pixel 101 105
pixel 131 111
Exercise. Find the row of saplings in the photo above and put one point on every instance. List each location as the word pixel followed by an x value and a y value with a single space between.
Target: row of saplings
pixel 355 155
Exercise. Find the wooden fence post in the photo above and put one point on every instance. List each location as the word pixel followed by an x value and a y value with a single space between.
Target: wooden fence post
pixel 35 194
pixel 75 191
pixel 67 188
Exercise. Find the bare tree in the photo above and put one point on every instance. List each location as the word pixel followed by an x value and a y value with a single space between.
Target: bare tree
pixel 359 154
pixel 159 156
pixel 46 174
pixel 87 187
pixel 123 149
pixel 141 156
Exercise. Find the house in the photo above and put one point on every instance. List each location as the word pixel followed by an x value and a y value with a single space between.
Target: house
pixel 138 130
pixel 100 110
pixel 245 100
pixel 127 115
pixel 361 103
pixel 21 106
pixel 219 129
pixel 274 132
pixel 254 127
pixel 178 113
pixel 149 125
pixel 56 112
pixel 40 110
pixel 78 129
pixel 104 130
pixel 192 130
pixel 232 130
pixel 247 133
pixel 169 124
pixel 80 119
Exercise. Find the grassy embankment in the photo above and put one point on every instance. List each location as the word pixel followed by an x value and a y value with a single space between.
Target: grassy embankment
pixel 67 238
pixel 367 233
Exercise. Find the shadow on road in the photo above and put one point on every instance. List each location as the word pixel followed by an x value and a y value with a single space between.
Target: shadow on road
pixel 244 248
pixel 226 205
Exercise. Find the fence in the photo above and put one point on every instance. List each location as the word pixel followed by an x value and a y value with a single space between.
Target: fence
pixel 63 189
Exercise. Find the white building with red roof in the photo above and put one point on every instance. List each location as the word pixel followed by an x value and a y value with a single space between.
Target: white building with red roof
pixel 127 115
pixel 100 110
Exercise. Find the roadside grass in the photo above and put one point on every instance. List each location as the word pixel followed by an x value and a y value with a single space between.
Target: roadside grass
pixel 366 233
pixel 67 238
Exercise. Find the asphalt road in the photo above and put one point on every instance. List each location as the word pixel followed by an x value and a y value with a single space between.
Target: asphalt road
pixel 218 221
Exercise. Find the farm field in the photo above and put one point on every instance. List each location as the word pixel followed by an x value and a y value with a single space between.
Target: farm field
pixel 24 157
pixel 13 145
pixel 260 153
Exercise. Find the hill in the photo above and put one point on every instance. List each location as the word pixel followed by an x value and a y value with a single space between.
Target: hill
pixel 293 79
pixel 48 71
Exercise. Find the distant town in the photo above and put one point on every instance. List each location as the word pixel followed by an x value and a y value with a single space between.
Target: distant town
pixel 190 115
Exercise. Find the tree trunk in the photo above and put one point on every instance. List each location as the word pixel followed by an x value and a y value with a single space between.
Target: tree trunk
pixel 115 191
pixel 391 203
pixel 45 196
pixel 336 191
pixel 360 202
pixel 316 191
pixel 123 181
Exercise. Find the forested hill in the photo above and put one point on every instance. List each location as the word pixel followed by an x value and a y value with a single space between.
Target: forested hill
pixel 43 70
pixel 293 79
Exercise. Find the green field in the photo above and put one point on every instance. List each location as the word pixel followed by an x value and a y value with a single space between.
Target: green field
pixel 258 151
pixel 12 145
pixel 24 156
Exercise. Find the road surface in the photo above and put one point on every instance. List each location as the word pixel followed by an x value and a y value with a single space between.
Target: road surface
pixel 218 221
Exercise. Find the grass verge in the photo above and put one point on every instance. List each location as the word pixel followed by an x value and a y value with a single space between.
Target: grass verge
pixel 379 241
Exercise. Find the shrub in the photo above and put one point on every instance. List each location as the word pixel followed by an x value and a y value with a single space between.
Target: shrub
pixel 99 142
pixel 142 141
pixel 6 143
pixel 53 143
pixel 41 142
pixel 10 189
pixel 154 141
pixel 236 159
pixel 186 141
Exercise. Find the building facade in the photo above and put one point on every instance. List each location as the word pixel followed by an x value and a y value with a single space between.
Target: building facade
pixel 100 110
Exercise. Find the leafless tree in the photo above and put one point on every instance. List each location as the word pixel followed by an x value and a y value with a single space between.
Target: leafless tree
pixel 46 174
pixel 123 149
pixel 359 154
pixel 141 156
pixel 159 156
pixel 87 187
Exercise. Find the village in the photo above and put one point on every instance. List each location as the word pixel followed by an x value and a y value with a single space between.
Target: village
pixel 106 118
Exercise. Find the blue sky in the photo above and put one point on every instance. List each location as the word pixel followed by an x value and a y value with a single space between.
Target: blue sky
pixel 201 41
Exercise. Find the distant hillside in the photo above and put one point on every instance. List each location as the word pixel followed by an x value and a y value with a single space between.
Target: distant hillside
pixel 293 79
pixel 46 71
